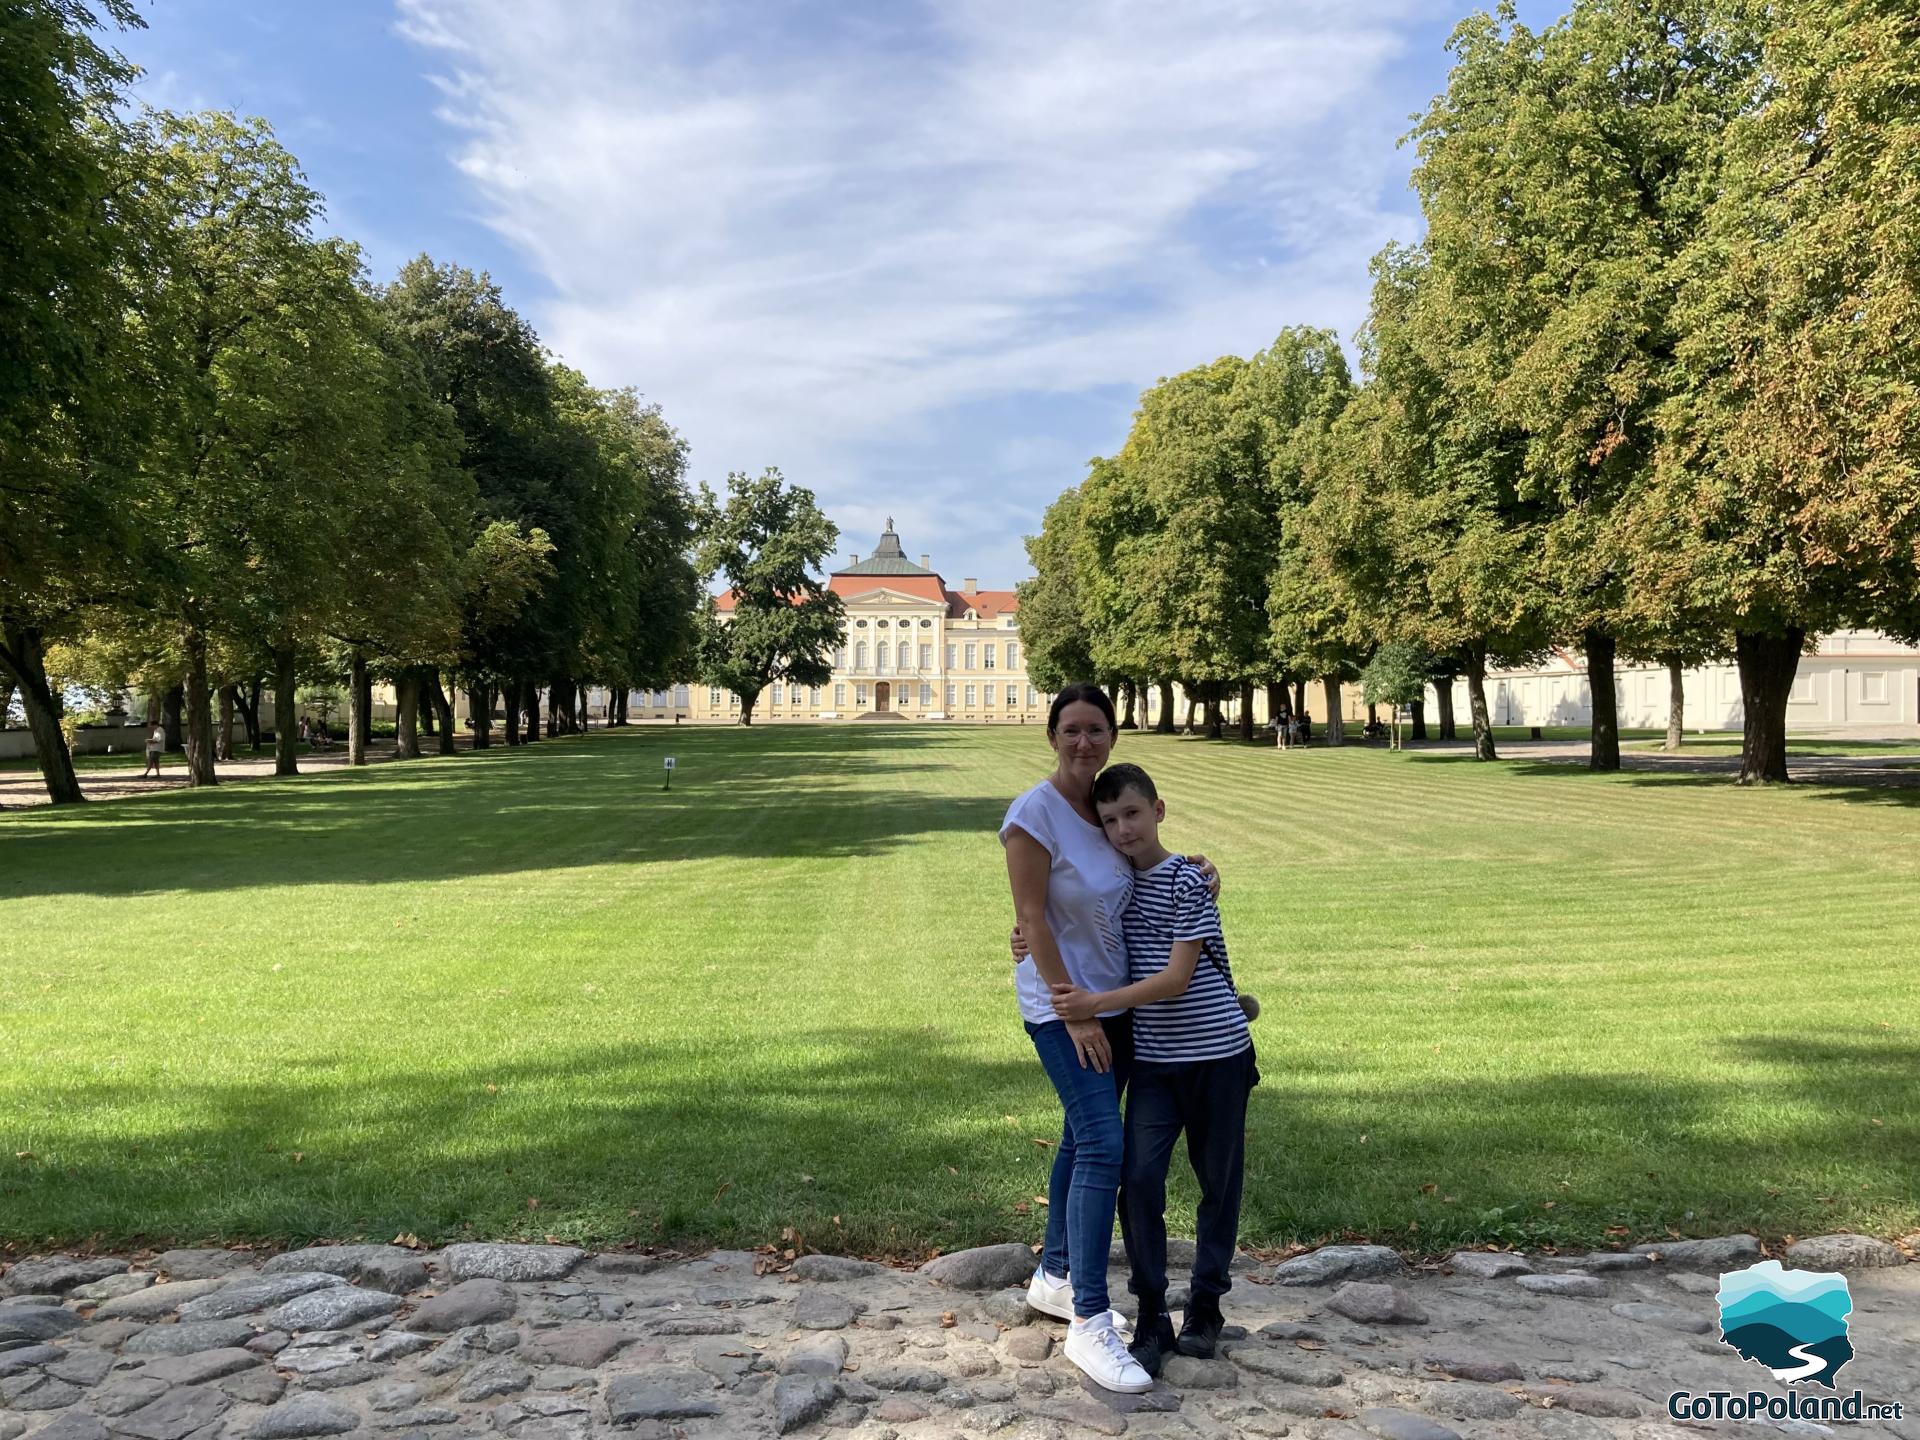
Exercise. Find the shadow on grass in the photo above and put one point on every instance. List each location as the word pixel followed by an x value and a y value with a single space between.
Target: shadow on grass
pixel 592 800
pixel 895 1138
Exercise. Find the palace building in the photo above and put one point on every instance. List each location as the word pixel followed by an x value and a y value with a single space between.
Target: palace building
pixel 913 649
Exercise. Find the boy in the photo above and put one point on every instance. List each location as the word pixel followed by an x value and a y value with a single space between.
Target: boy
pixel 1193 1068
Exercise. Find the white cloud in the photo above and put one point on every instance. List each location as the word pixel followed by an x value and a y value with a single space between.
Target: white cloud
pixel 811 244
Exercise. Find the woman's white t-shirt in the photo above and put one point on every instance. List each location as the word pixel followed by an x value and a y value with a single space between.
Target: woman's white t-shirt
pixel 1087 890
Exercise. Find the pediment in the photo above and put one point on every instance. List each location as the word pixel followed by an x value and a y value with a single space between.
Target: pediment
pixel 884 599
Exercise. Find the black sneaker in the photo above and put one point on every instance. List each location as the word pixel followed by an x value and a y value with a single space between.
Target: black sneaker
pixel 1200 1327
pixel 1153 1342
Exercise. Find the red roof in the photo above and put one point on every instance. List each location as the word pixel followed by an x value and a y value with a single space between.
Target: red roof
pixel 921 587
pixel 987 604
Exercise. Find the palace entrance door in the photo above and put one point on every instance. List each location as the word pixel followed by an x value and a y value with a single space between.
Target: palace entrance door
pixel 882 696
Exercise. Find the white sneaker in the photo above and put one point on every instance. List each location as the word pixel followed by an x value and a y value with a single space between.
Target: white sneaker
pixel 1096 1347
pixel 1049 1297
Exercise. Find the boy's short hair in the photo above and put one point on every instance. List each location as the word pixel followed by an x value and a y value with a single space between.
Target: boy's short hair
pixel 1113 781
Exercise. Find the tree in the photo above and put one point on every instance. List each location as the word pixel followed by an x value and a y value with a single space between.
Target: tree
pixel 1562 175
pixel 1782 499
pixel 768 539
pixel 73 402
pixel 1395 676
pixel 1053 627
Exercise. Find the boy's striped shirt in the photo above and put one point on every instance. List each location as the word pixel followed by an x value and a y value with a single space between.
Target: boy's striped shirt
pixel 1170 903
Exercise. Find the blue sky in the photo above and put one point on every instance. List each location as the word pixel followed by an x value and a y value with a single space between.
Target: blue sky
pixel 922 257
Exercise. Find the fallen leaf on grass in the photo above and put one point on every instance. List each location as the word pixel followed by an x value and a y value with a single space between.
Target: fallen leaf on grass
pixel 1048 1144
pixel 725 1186
pixel 408 1240
pixel 1309 1344
pixel 1042 1200
pixel 533 1202
pixel 948 1320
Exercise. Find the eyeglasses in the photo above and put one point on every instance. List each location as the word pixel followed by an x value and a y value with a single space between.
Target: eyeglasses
pixel 1092 737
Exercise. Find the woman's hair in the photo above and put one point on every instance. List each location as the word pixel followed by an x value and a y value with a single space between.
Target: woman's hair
pixel 1080 695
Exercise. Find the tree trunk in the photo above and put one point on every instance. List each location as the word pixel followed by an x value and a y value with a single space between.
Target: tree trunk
pixel 510 699
pixel 406 714
pixel 748 698
pixel 530 712
pixel 1275 694
pixel 1477 702
pixel 7 687
pixel 1605 748
pixel 1127 721
pixel 1395 717
pixel 1336 722
pixel 223 734
pixel 1443 702
pixel 620 706
pixel 1164 725
pixel 1193 708
pixel 286 730
pixel 1418 711
pixel 1299 696
pixel 200 769
pixel 1676 703
pixel 429 717
pixel 250 711
pixel 359 708
pixel 171 706
pixel 22 658
pixel 480 706
pixel 1767 665
pixel 559 706
pixel 582 707
pixel 1246 711
pixel 442 704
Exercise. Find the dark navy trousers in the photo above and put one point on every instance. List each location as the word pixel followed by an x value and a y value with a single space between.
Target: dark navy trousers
pixel 1207 1101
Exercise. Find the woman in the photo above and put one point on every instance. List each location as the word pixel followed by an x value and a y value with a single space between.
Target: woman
pixel 1069 889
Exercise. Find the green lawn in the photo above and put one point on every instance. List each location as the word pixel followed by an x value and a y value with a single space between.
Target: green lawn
pixel 526 992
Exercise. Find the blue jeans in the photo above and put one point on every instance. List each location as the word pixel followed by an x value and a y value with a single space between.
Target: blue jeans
pixel 1086 1165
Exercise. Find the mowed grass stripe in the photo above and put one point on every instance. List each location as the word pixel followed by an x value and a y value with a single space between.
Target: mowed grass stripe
pixel 531 992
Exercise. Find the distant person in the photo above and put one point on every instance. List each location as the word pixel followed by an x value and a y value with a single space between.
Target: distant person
pixel 156 745
pixel 1283 727
pixel 306 731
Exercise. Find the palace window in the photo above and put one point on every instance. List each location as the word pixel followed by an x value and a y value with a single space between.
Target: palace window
pixel 990 647
pixel 881 624
pixel 860 654
pixel 972 654
pixel 989 699
pixel 1013 655
pixel 970 694
pixel 713 696
pixel 926 696
pixel 926 657
pixel 839 657
pixel 1013 697
pixel 926 624
pixel 860 696
pixel 680 695
pixel 949 698
pixel 905 653
pixel 882 657
pixel 816 695
pixel 775 697
pixel 1032 699
pixel 952 652
pixel 860 624
pixel 839 697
